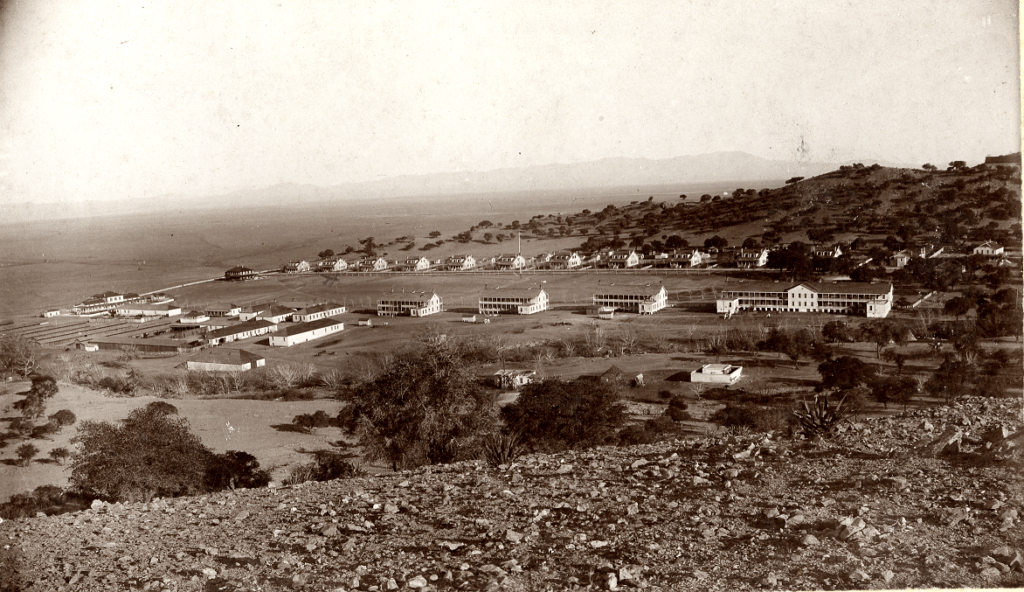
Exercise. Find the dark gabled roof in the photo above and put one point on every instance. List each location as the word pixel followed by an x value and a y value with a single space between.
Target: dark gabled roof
pixel 222 355
pixel 319 308
pixel 277 310
pixel 239 328
pixel 306 327
pixel 240 269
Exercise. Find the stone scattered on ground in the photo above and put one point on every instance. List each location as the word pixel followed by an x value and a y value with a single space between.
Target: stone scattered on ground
pixel 873 508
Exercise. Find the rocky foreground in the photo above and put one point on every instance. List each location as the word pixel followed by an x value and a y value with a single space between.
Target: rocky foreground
pixel 929 499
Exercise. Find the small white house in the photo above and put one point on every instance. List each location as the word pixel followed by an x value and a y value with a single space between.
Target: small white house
pixel 989 249
pixel 565 260
pixel 469 319
pixel 460 263
pixel 513 379
pixel 623 259
pixel 303 332
pixel 373 264
pixel 223 310
pixel 296 267
pixel 751 258
pixel 717 374
pixel 510 261
pixel 193 317
pixel 365 322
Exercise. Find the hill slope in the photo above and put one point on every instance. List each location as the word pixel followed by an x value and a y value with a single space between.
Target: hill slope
pixel 869 510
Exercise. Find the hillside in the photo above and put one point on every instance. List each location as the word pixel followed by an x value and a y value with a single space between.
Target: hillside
pixel 917 206
pixel 890 503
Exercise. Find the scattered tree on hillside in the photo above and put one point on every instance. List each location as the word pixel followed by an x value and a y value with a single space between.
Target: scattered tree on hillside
pixel 26 452
pixel 60 455
pixel 62 418
pixel 325 254
pixel 715 242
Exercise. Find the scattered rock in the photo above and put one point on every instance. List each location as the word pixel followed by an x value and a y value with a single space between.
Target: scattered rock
pixel 417 582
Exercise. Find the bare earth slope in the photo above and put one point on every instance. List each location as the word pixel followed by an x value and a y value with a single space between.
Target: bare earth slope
pixel 875 508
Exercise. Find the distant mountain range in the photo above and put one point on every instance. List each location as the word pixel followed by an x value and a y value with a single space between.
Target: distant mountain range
pixel 717 167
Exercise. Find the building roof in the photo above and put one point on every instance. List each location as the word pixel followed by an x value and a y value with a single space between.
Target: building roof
pixel 309 326
pixel 164 306
pixel 107 294
pixel 240 269
pixel 819 287
pixel 408 296
pixel 114 340
pixel 631 290
pixel 225 355
pixel 277 310
pixel 512 293
pixel 223 307
pixel 239 328
pixel 319 308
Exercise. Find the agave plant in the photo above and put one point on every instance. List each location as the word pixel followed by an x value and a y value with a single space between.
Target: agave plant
pixel 821 418
pixel 501 449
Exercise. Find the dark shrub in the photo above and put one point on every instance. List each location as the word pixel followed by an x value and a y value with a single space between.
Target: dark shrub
pixel 162 408
pixel 636 434
pixel 738 416
pixel 234 469
pixel 677 414
pixel 660 425
pixel 678 403
pixel 577 414
pixel 296 395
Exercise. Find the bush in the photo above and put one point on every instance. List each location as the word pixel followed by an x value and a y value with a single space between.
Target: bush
pixel 735 416
pixel 422 408
pixel 60 454
pixel 577 414
pixel 326 467
pixel 677 414
pixel 45 430
pixel 62 418
pixel 234 469
pixel 635 435
pixel 48 499
pixel 309 422
pixel 162 408
pixel 148 454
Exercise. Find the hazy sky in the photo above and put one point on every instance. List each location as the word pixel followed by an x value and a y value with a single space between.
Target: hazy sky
pixel 106 100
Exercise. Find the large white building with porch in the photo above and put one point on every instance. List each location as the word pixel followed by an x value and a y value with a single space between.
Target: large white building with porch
pixel 638 299
pixel 513 301
pixel 871 300
pixel 410 304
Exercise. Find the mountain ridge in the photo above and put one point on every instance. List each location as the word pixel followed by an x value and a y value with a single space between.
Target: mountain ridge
pixel 711 167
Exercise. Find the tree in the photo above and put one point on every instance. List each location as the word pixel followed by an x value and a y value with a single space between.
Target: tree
pixel 26 452
pixel 60 454
pixel 422 408
pixel 309 422
pixel 18 354
pixel 554 413
pixel 894 389
pixel 325 254
pixel 958 306
pixel 715 242
pixel 751 243
pixel 953 379
pixel 434 233
pixel 844 373
pixel 488 237
pixel 147 454
pixel 234 469
pixel 929 167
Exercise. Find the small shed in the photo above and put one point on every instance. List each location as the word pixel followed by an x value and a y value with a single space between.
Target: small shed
pixel 469 319
pixel 365 322
pixel 614 376
pixel 717 374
